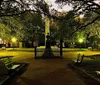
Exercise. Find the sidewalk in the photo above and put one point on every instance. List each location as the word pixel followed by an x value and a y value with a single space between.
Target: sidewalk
pixel 48 72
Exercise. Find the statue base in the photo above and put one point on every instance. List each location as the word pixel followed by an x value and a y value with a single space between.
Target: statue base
pixel 47 53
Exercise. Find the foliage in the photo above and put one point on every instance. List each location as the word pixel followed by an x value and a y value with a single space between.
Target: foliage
pixel 5 31
pixel 33 26
pixel 17 7
pixel 10 27
pixel 83 7
pixel 32 22
pixel 92 29
pixel 68 25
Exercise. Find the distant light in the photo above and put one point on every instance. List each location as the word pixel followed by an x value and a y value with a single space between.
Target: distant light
pixel 81 16
pixel 80 40
pixel 0 39
pixel 14 39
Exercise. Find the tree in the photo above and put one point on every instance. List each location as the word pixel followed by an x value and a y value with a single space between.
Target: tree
pixel 17 7
pixel 11 27
pixel 82 7
pixel 67 26
pixel 33 26
pixel 92 31
pixel 79 7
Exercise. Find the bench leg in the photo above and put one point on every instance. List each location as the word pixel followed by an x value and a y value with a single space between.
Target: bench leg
pixel 82 58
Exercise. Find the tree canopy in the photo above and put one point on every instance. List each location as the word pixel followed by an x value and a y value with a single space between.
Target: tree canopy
pixel 79 7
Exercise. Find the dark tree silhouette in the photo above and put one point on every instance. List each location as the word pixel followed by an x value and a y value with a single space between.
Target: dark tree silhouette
pixel 82 7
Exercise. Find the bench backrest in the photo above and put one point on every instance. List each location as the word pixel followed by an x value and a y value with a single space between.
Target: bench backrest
pixel 3 68
pixel 7 61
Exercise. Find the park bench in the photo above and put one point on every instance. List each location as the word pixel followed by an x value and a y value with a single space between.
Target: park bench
pixel 90 48
pixel 97 72
pixel 8 69
pixel 81 57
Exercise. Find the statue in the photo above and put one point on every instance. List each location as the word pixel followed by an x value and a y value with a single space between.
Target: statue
pixel 48 52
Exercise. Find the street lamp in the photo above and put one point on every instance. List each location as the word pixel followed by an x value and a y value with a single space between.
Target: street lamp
pixel 80 41
pixel 0 39
pixel 14 40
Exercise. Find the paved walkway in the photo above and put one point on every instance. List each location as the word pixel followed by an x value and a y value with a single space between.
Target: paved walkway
pixel 48 72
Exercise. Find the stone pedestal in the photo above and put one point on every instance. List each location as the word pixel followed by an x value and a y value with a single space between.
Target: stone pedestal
pixel 48 52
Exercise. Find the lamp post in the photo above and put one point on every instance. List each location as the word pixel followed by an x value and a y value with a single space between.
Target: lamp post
pixel 14 40
pixel 80 41
pixel 0 39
